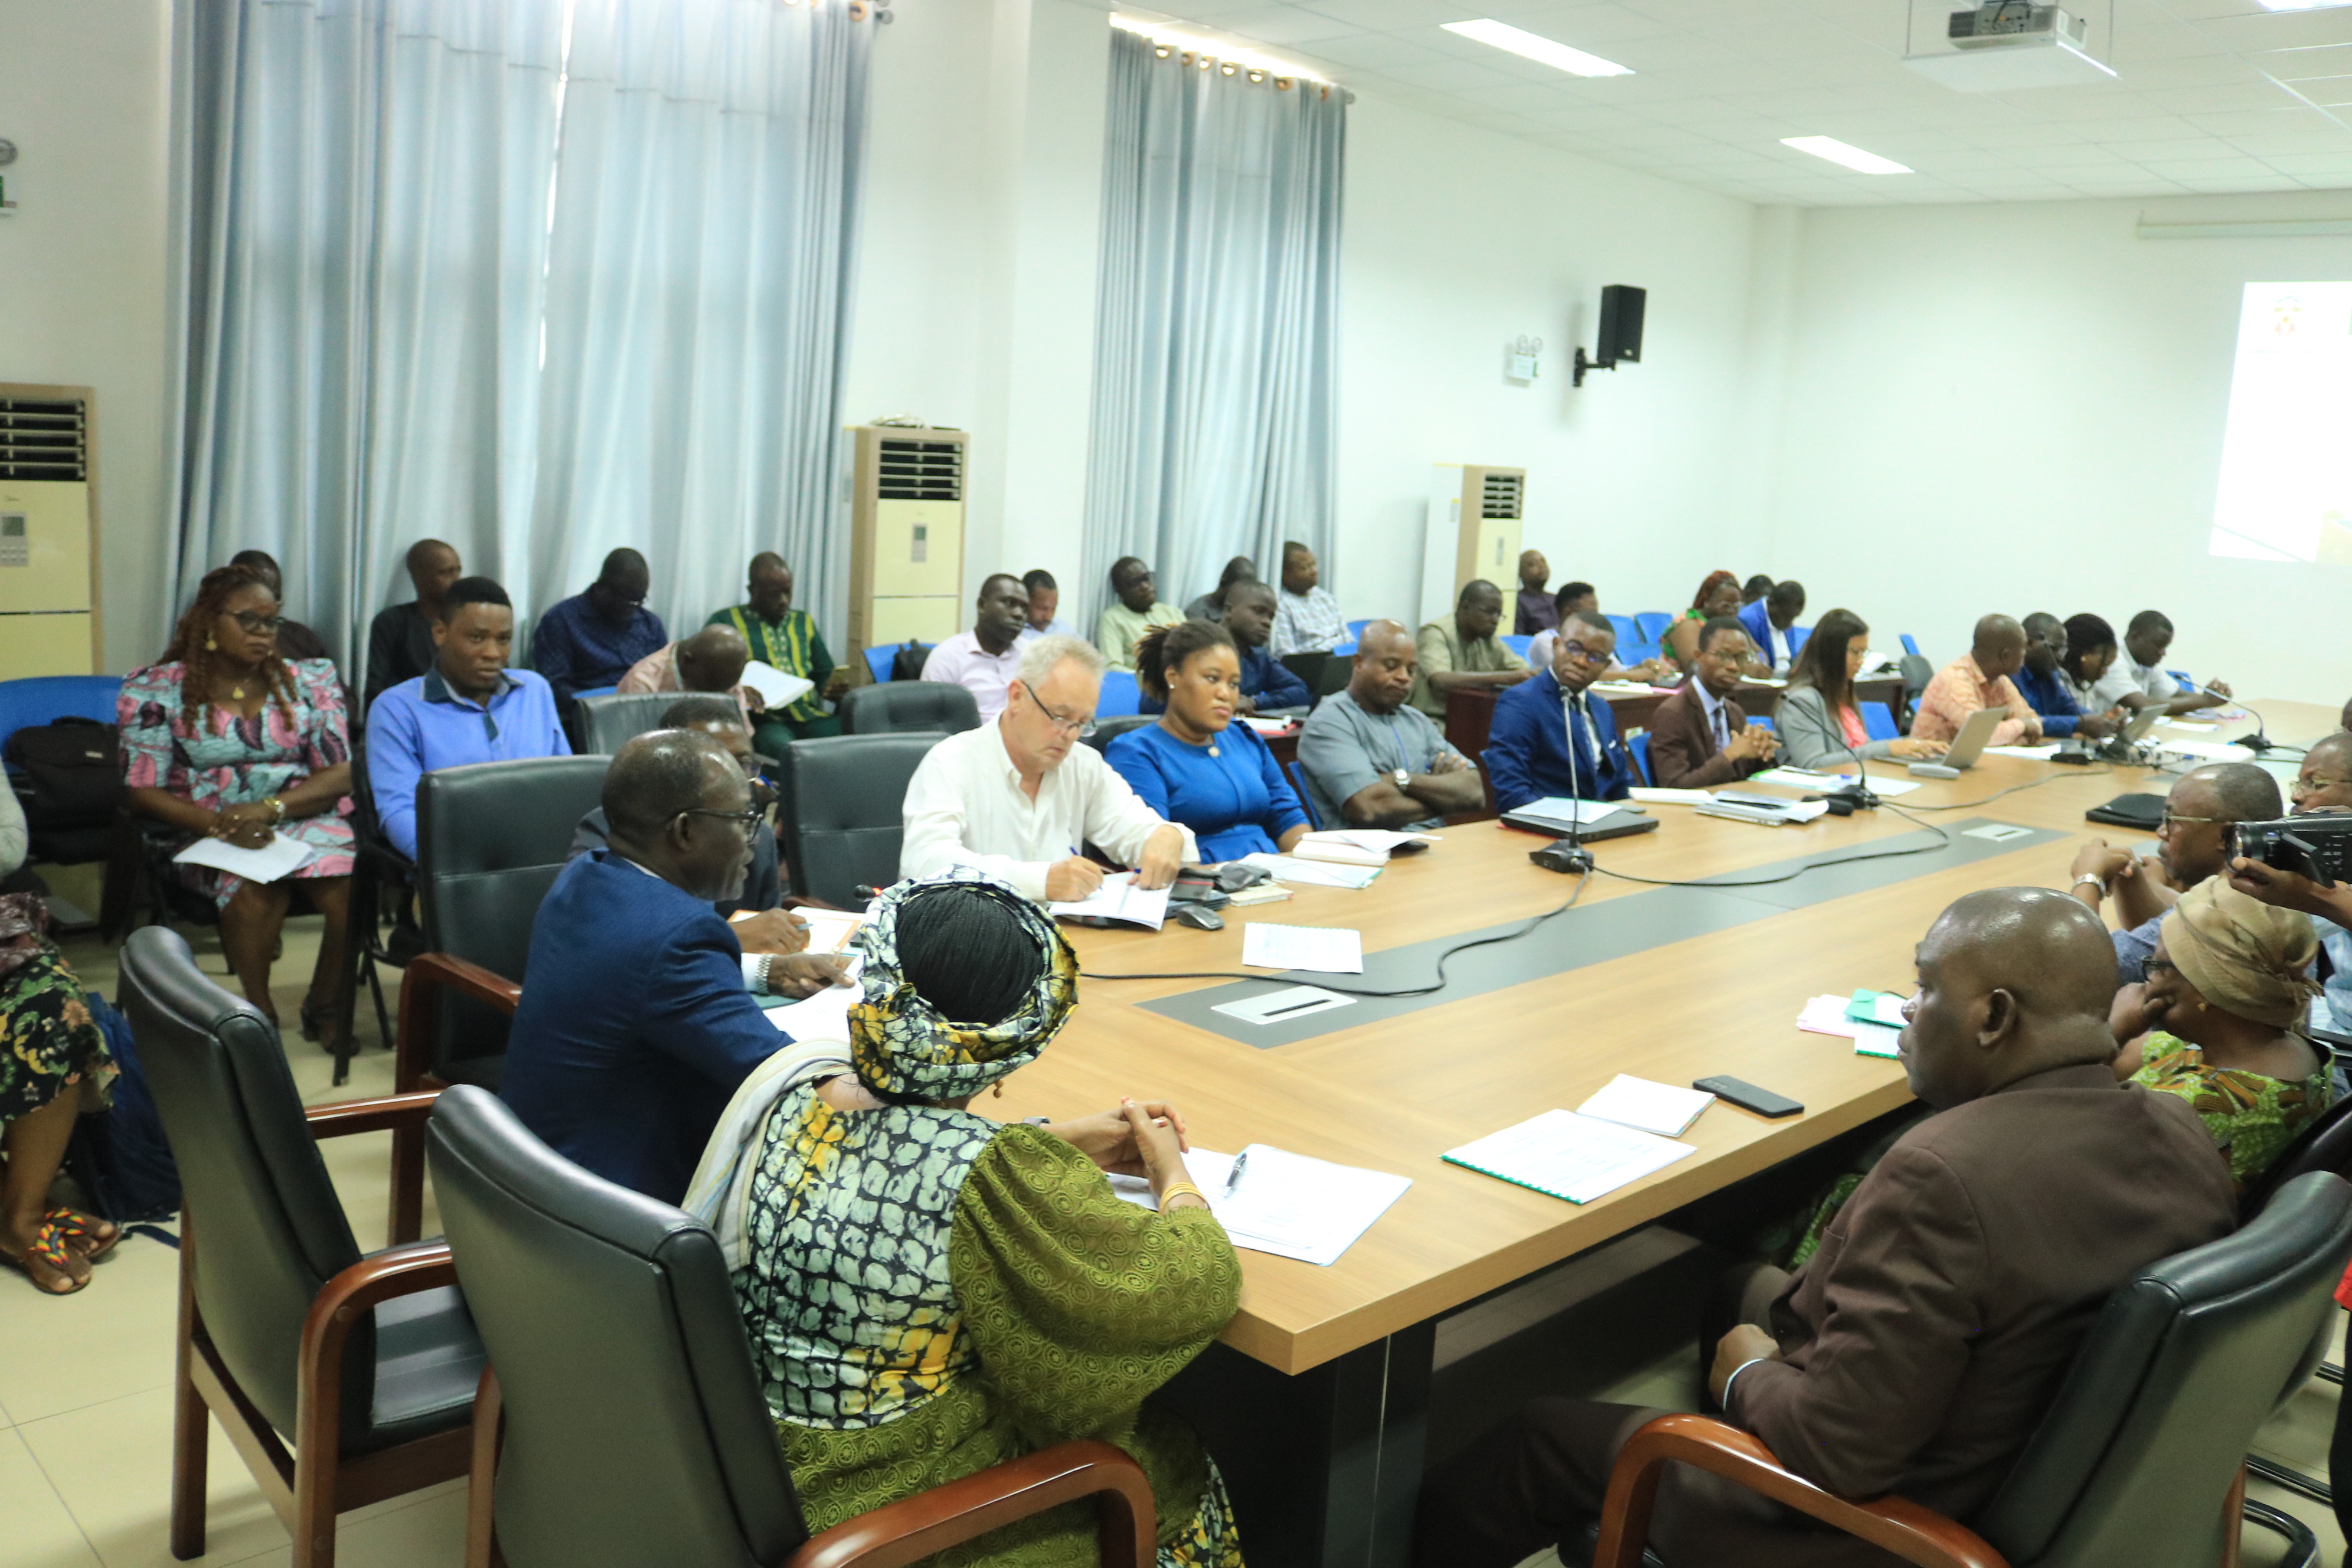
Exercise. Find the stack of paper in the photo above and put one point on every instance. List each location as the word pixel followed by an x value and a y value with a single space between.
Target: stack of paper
pixel 2210 751
pixel 1646 795
pixel 1284 1204
pixel 1313 873
pixel 1118 898
pixel 825 1016
pixel 1579 1158
pixel 776 689
pixel 830 930
pixel 1327 949
pixel 1766 810
pixel 1871 1033
pixel 2030 754
pixel 1359 846
pixel 281 857
pixel 1637 1102
pixel 1271 726
pixel 1806 778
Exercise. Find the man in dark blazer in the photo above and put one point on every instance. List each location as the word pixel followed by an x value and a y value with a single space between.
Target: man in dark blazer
pixel 1917 1351
pixel 639 1020
pixel 1699 736
pixel 1527 753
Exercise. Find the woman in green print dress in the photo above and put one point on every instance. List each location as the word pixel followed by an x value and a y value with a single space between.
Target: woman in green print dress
pixel 54 1067
pixel 2226 988
pixel 929 1292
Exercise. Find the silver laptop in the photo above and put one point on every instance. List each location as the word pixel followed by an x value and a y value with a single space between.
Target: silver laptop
pixel 1976 734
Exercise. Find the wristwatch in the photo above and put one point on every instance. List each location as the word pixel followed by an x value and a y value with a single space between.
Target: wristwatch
pixel 2094 879
pixel 1402 777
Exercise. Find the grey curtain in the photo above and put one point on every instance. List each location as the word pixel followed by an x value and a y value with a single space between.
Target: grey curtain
pixel 452 269
pixel 1216 334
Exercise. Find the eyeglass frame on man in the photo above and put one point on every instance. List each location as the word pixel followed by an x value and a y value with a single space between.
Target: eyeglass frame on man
pixel 763 798
pixel 1076 729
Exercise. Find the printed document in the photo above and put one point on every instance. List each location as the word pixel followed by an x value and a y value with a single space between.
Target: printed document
pixel 1284 1204
pixel 1118 898
pixel 281 857
pixel 1329 949
pixel 1570 1156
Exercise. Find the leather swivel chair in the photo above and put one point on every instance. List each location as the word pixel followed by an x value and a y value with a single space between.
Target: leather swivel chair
pixel 368 1362
pixel 491 838
pixel 908 705
pixel 623 1421
pixel 1111 729
pixel 841 807
pixel 600 724
pixel 2140 1458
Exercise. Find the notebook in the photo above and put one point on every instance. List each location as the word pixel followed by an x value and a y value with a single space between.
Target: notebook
pixel 1564 1155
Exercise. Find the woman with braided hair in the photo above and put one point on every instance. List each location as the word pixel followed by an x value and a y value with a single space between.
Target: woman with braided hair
pixel 227 739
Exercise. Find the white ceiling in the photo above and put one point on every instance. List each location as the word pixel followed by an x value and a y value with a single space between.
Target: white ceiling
pixel 2213 95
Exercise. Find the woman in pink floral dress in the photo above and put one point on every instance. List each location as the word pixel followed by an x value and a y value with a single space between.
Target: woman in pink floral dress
pixel 226 738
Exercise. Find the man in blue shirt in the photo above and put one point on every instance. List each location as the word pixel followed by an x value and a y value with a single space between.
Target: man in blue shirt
pixel 1537 722
pixel 2044 686
pixel 637 1026
pixel 468 708
pixel 1777 611
pixel 591 639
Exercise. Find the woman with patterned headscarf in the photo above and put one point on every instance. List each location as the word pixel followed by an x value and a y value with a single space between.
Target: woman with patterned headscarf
pixel 929 1292
pixel 2226 990
pixel 1717 596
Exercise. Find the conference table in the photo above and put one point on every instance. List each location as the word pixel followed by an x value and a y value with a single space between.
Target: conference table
pixel 1317 1394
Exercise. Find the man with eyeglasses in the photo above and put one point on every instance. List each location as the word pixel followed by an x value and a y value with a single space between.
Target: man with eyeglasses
pixel 1699 737
pixel 2192 843
pixel 761 924
pixel 636 1025
pixel 2322 784
pixel 1023 798
pixel 1549 738
pixel 594 638
pixel 468 708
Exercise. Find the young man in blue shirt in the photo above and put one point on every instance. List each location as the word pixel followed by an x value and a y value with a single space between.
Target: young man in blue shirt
pixel 468 708
pixel 2043 685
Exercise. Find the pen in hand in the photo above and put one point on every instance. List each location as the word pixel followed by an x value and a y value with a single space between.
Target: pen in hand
pixel 1233 1176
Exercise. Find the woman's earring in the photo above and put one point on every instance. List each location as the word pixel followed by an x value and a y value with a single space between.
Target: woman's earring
pixel 210 646
pixel 999 1090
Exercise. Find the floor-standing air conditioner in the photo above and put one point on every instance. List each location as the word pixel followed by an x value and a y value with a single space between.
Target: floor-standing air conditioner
pixel 906 521
pixel 48 532
pixel 1475 512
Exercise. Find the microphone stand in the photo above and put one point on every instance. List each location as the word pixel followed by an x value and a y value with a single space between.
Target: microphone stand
pixel 1578 858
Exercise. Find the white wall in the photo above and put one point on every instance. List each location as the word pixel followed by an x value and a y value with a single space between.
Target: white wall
pixel 2020 407
pixel 83 94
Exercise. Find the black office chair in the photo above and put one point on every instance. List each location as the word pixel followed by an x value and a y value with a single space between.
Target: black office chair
pixel 491 838
pixel 382 877
pixel 1118 724
pixel 369 1362
pixel 841 806
pixel 2141 1456
pixel 634 1429
pixel 903 705
pixel 2325 1145
pixel 600 724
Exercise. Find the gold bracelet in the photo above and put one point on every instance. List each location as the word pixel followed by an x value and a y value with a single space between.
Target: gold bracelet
pixel 277 804
pixel 1175 1189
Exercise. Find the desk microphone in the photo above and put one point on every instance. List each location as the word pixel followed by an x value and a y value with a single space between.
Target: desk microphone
pixel 1858 794
pixel 1576 860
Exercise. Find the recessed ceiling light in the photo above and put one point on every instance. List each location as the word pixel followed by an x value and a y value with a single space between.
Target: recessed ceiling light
pixel 1535 47
pixel 1838 152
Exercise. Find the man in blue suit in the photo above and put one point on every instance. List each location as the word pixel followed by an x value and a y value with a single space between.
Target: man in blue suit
pixel 1777 611
pixel 639 1020
pixel 1527 751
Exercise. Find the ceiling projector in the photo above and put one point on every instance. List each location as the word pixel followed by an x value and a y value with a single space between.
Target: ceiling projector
pixel 2004 45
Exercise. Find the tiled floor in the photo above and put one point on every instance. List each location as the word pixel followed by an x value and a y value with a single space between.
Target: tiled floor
pixel 85 1380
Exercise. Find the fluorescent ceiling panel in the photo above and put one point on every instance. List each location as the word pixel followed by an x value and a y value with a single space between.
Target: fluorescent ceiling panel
pixel 1838 152
pixel 1535 47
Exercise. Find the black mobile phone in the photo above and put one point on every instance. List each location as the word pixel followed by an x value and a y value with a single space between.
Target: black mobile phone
pixel 1747 1097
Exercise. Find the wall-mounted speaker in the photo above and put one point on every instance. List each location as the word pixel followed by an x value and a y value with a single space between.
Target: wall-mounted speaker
pixel 1621 323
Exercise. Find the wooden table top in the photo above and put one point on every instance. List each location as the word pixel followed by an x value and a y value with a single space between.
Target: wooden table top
pixel 1395 1094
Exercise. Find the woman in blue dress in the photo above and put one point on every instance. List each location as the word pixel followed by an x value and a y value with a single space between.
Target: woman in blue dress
pixel 1192 766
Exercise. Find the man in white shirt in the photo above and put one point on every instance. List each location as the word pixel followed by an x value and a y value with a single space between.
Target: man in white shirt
pixel 2137 679
pixel 1307 619
pixel 1021 798
pixel 982 660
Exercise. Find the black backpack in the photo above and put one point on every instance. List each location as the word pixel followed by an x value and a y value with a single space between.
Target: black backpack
pixel 121 1158
pixel 906 662
pixel 74 769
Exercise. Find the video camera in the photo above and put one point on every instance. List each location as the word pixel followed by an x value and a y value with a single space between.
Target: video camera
pixel 2317 845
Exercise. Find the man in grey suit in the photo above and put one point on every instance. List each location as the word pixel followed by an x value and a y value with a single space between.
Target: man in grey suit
pixel 1917 1349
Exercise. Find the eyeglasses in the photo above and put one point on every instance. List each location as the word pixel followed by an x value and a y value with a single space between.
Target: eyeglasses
pixel 254 623
pixel 1081 728
pixel 763 795
pixel 2302 786
pixel 2154 966
pixel 1577 651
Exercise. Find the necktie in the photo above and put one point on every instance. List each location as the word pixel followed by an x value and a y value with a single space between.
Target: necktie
pixel 1580 742
pixel 1722 729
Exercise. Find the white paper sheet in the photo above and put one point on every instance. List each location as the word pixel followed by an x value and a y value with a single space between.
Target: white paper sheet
pixel 1570 1156
pixel 1270 726
pixel 2030 754
pixel 281 857
pixel 1646 795
pixel 1806 778
pixel 1658 1108
pixel 2212 751
pixel 1559 808
pixel 1283 1006
pixel 829 930
pixel 776 688
pixel 1284 1204
pixel 1877 1041
pixel 1314 873
pixel 1997 832
pixel 1331 950
pixel 2185 724
pixel 825 1016
pixel 1826 1016
pixel 1118 898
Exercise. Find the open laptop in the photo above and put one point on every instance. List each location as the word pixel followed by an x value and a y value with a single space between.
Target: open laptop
pixel 1976 732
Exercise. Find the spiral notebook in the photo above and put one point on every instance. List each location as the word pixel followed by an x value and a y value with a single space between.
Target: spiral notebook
pixel 1564 1155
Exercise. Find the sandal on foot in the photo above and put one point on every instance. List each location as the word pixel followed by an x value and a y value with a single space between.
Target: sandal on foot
pixel 103 1236
pixel 51 1251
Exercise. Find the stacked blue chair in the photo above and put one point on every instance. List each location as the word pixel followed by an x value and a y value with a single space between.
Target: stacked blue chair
pixel 1516 643
pixel 1653 626
pixel 1640 746
pixel 1878 721
pixel 1910 646
pixel 1797 635
pixel 1121 695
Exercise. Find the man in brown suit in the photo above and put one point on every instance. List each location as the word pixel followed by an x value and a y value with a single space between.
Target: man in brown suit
pixel 1699 736
pixel 1917 1349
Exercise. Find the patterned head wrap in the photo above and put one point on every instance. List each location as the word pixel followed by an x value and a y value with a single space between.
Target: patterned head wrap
pixel 902 1048
pixel 2245 956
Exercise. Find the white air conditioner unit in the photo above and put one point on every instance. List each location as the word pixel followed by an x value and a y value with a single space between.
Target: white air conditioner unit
pixel 2006 45
pixel 48 532
pixel 906 536
pixel 1473 531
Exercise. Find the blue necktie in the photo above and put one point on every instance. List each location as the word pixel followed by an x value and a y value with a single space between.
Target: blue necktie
pixel 1579 743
